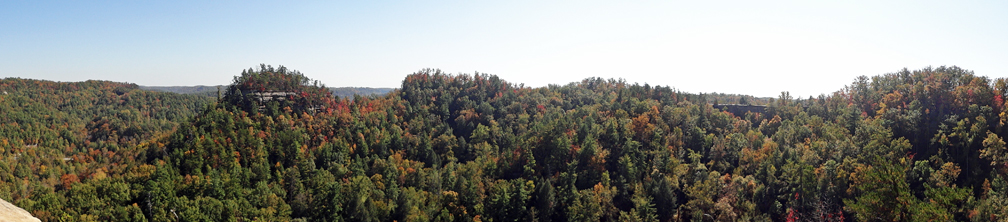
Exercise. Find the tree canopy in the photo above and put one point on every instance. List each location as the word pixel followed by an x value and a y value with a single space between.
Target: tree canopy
pixel 920 145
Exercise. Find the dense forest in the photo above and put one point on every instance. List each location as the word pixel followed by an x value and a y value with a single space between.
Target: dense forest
pixel 922 145
pixel 66 148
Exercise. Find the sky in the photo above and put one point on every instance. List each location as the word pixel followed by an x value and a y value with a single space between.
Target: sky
pixel 757 48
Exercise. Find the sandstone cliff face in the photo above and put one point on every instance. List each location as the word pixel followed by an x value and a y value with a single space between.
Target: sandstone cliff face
pixel 9 212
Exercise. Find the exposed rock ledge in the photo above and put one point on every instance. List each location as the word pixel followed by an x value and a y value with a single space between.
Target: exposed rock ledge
pixel 9 212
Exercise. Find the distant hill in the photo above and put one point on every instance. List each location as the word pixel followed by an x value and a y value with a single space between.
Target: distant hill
pixel 344 92
pixel 211 91
pixel 721 98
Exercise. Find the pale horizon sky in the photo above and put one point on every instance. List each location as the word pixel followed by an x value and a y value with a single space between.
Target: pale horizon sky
pixel 743 47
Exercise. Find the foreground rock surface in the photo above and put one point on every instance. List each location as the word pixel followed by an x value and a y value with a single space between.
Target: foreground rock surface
pixel 9 212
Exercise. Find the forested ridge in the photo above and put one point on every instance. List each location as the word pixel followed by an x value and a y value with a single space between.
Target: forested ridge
pixel 211 91
pixel 922 145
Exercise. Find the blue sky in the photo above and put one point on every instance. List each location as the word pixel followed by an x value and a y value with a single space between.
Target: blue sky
pixel 758 48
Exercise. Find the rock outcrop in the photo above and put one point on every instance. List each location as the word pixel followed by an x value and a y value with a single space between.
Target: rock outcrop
pixel 9 212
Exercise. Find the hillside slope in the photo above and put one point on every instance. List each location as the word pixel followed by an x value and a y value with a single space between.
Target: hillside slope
pixel 64 147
